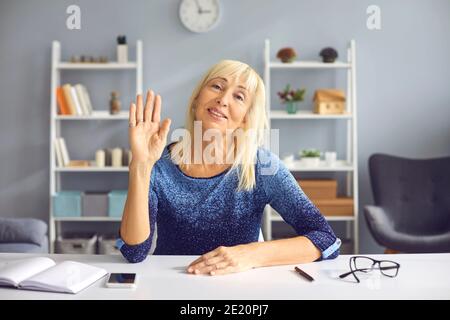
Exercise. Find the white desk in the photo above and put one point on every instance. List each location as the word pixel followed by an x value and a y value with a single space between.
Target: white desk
pixel 425 276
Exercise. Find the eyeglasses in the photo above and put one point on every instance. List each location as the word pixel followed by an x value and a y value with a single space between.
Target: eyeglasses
pixel 365 265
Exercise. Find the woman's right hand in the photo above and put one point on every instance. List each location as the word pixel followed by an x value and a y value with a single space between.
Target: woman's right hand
pixel 147 136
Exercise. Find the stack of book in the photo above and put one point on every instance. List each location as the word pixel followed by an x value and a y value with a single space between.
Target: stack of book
pixel 63 158
pixel 73 100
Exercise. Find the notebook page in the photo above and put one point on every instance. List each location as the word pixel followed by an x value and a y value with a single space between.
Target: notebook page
pixel 68 276
pixel 18 270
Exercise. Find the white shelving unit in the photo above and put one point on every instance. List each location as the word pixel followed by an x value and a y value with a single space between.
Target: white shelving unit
pixel 56 122
pixel 349 165
pixel 96 115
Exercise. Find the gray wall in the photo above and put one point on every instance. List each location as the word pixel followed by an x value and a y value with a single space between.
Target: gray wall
pixel 402 78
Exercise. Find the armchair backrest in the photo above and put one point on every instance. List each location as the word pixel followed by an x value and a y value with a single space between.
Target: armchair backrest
pixel 415 193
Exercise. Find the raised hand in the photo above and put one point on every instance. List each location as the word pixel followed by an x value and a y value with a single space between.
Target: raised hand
pixel 147 135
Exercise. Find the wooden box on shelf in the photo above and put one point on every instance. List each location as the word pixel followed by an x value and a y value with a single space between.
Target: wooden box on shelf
pixel 78 163
pixel 319 188
pixel 329 101
pixel 335 207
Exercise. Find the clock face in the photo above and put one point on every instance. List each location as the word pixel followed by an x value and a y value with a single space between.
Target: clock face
pixel 199 15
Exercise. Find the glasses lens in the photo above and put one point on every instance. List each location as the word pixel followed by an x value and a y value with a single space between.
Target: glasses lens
pixel 364 264
pixel 388 268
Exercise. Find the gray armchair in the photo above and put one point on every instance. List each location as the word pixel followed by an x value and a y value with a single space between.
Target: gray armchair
pixel 24 235
pixel 412 203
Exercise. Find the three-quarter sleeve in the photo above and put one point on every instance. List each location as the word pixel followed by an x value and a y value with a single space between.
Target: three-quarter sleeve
pixel 285 196
pixel 138 252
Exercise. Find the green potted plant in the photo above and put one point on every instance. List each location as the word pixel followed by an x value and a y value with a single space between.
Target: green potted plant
pixel 310 157
pixel 291 98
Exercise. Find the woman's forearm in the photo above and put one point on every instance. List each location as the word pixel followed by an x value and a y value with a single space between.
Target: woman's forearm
pixel 135 226
pixel 285 251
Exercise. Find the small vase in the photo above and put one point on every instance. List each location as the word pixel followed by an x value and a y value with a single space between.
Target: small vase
pixel 291 107
pixel 122 53
pixel 114 103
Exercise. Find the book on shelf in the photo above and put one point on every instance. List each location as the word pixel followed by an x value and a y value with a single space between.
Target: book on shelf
pixel 76 101
pixel 59 158
pixel 81 98
pixel 73 100
pixel 44 274
pixel 63 107
pixel 64 151
pixel 68 98
pixel 86 100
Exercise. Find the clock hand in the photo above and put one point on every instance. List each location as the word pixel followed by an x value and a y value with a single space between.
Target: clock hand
pixel 206 11
pixel 200 11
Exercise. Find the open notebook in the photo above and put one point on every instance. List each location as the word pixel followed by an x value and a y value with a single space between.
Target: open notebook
pixel 43 274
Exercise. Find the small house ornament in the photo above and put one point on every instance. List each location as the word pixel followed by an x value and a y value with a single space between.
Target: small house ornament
pixel 329 101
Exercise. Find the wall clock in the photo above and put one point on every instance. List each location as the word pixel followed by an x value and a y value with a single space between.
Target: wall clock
pixel 199 15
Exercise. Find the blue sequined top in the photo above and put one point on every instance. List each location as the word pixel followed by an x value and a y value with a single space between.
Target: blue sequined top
pixel 197 215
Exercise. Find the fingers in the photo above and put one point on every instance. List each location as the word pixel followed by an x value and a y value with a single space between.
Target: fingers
pixel 214 261
pixel 218 272
pixel 139 110
pixel 205 256
pixel 219 268
pixel 157 109
pixel 210 262
pixel 213 253
pixel 132 117
pixel 213 268
pixel 152 110
pixel 164 129
pixel 149 106
pixel 195 262
pixel 201 264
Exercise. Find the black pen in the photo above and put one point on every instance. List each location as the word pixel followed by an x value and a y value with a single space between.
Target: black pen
pixel 304 274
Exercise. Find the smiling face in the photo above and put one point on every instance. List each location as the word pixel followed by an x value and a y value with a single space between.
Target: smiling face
pixel 222 104
pixel 229 96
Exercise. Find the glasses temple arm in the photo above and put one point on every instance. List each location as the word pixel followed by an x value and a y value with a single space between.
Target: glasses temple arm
pixel 345 274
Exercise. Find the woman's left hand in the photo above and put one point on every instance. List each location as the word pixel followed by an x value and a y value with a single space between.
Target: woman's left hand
pixel 225 260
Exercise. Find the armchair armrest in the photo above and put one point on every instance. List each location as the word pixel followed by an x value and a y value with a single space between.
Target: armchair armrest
pixel 379 223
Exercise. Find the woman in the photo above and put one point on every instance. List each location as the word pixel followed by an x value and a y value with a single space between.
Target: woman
pixel 214 208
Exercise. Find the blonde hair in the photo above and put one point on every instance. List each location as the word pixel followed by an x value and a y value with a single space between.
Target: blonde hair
pixel 254 126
